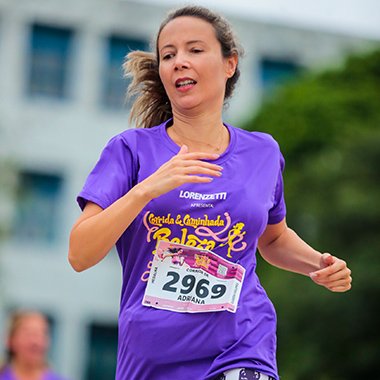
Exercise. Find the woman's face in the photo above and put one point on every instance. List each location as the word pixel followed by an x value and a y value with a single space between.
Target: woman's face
pixel 30 340
pixel 192 67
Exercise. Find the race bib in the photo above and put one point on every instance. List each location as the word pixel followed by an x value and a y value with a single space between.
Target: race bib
pixel 192 280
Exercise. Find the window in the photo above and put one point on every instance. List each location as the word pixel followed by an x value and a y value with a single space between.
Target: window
pixel 274 73
pixel 115 85
pixel 103 352
pixel 37 204
pixel 49 61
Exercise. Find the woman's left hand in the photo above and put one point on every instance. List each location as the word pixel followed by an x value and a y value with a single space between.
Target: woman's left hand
pixel 333 275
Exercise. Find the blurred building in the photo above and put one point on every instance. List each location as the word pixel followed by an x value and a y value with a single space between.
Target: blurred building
pixel 61 99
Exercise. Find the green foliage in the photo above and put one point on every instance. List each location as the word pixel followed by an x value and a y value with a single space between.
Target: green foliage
pixel 328 127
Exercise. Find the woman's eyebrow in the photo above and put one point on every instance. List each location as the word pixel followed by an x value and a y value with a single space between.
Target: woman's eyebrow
pixel 187 43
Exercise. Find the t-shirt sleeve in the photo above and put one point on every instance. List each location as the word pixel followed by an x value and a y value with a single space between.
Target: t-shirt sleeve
pixel 278 211
pixel 112 176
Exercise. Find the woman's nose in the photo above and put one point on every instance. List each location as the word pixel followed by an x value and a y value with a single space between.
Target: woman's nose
pixel 181 62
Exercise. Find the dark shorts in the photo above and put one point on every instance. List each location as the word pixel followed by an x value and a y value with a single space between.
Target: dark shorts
pixel 243 374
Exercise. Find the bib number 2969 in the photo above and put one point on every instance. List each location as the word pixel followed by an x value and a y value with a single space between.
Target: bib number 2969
pixel 186 279
pixel 189 282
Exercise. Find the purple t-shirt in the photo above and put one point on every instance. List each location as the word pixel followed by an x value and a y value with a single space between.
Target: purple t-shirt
pixel 226 216
pixel 7 374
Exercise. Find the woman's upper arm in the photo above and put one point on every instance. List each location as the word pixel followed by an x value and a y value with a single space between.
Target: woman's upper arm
pixel 272 233
pixel 90 209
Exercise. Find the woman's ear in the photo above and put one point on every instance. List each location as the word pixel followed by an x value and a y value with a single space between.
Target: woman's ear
pixel 231 64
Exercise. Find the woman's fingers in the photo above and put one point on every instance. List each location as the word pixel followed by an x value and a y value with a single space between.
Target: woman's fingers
pixel 183 154
pixel 335 270
pixel 185 164
pixel 191 164
pixel 338 286
pixel 184 149
pixel 191 170
pixel 183 168
pixel 334 281
pixel 195 179
pixel 200 163
pixel 340 289
pixel 335 277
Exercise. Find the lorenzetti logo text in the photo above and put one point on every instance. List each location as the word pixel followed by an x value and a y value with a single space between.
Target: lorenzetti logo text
pixel 202 197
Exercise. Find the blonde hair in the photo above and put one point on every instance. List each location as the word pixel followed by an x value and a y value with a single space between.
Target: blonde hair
pixel 151 103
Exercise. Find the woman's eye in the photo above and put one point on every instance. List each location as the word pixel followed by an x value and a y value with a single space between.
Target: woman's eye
pixel 196 50
pixel 167 56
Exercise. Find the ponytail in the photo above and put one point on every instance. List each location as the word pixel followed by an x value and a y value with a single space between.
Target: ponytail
pixel 151 105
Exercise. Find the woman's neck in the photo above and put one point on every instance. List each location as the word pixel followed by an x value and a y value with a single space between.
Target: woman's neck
pixel 28 371
pixel 200 132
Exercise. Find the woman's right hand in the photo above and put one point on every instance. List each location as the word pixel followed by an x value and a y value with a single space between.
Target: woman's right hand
pixel 183 168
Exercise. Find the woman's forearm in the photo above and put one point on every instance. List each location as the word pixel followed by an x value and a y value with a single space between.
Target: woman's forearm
pixel 97 230
pixel 282 247
pixel 288 251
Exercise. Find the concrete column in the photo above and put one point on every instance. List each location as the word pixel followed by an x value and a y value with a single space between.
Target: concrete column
pixel 14 43
pixel 89 53
pixel 72 348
